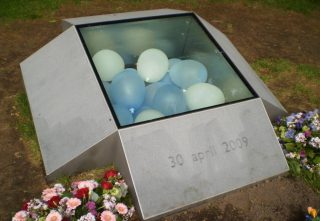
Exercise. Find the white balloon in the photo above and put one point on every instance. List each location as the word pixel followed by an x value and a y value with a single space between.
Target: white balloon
pixel 108 64
pixel 202 95
pixel 137 39
pixel 234 89
pixel 148 114
pixel 152 65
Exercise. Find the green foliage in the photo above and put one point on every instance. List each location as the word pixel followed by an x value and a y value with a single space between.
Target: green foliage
pixel 25 126
pixel 309 71
pixel 25 123
pixel 302 6
pixel 274 65
pixel 29 9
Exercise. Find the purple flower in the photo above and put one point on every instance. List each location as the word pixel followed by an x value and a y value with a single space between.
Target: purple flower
pixel 91 206
pixel 298 125
pixel 290 134
pixel 278 120
pixel 307 133
pixel 290 119
pixel 302 154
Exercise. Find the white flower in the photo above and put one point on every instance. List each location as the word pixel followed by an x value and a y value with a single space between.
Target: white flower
pixel 59 188
pixel 300 138
pixel 87 217
pixel 108 205
pixel 315 142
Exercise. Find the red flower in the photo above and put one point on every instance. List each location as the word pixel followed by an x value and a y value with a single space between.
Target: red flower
pixel 54 202
pixel 66 219
pixel 82 193
pixel 106 185
pixel 25 206
pixel 110 173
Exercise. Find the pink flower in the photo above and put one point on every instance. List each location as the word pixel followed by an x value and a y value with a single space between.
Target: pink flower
pixel 107 216
pixel 20 216
pixel 48 193
pixel 54 216
pixel 73 203
pixel 121 208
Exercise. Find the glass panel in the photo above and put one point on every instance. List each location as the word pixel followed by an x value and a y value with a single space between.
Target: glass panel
pixel 160 67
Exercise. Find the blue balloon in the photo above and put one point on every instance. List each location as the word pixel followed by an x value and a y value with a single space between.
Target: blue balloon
pixel 151 90
pixel 127 89
pixel 123 114
pixel 169 100
pixel 173 61
pixel 106 86
pixel 166 79
pixel 188 72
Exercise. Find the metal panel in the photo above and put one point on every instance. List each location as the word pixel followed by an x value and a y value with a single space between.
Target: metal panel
pixel 66 23
pixel 68 108
pixel 272 105
pixel 184 160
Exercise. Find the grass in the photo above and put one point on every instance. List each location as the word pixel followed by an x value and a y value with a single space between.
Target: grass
pixel 295 85
pixel 302 6
pixel 25 126
pixel 33 9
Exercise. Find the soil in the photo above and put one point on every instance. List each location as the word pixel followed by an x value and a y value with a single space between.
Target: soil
pixel 256 31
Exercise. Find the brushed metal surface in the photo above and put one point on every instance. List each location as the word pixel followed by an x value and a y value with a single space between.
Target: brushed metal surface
pixel 66 23
pixel 203 165
pixel 68 108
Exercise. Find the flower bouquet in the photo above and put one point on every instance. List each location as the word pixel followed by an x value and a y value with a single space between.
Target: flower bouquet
pixel 106 200
pixel 299 136
pixel 312 215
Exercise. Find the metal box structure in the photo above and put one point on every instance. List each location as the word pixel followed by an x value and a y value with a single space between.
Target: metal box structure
pixel 172 160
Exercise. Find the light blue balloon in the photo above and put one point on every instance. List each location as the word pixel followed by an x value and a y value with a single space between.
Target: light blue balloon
pixel 123 114
pixel 151 90
pixel 188 72
pixel 169 100
pixel 106 86
pixel 127 89
pixel 173 61
pixel 166 79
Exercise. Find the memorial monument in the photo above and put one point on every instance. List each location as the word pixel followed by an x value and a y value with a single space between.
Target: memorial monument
pixel 162 95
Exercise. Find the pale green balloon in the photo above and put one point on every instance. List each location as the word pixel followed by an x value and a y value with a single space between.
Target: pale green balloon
pixel 148 114
pixel 108 63
pixel 202 95
pixel 152 65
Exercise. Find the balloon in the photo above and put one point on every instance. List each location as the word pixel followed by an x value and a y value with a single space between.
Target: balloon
pixel 234 89
pixel 138 111
pixel 166 79
pixel 188 72
pixel 152 65
pixel 107 86
pixel 203 95
pixel 97 39
pixel 108 63
pixel 127 89
pixel 136 39
pixel 124 116
pixel 148 114
pixel 173 61
pixel 151 90
pixel 169 100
